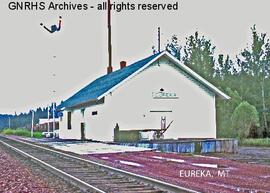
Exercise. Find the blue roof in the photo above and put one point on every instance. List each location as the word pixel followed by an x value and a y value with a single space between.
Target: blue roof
pixel 101 85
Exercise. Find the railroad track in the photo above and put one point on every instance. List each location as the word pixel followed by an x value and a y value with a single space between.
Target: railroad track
pixel 87 175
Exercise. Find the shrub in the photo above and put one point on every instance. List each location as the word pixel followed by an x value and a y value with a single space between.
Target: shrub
pixel 256 142
pixel 38 135
pixel 244 117
pixel 225 110
pixel 21 132
pixel 8 131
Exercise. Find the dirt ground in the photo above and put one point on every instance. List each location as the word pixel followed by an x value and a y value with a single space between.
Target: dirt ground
pixel 247 171
pixel 255 155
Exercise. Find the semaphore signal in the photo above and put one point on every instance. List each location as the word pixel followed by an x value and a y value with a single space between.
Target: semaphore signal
pixel 54 28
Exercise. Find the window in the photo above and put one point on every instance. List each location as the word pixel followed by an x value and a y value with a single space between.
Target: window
pixel 69 120
pixel 82 111
pixel 94 113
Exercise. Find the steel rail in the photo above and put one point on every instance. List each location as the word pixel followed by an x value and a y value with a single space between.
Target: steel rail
pixel 83 185
pixel 156 183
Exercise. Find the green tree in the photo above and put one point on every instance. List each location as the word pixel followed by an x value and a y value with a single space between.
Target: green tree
pixel 225 109
pixel 244 117
pixel 173 47
pixel 254 63
pixel 225 73
pixel 199 55
pixel 225 67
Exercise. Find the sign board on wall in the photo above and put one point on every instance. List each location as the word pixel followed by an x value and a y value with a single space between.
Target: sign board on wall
pixel 164 95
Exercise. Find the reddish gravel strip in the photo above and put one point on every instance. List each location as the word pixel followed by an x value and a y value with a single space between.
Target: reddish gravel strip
pixel 14 178
pixel 242 177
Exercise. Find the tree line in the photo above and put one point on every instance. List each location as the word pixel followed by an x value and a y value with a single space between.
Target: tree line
pixel 24 120
pixel 245 79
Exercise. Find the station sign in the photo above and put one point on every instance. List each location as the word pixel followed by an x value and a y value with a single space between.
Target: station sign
pixel 164 95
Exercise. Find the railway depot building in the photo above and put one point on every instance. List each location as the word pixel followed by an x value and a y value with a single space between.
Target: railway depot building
pixel 154 93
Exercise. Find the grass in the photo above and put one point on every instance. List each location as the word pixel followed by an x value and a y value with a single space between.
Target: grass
pixel 21 132
pixel 265 142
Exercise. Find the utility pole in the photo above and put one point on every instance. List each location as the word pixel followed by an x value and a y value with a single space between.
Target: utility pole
pixel 48 124
pixel 158 39
pixel 53 118
pixel 32 129
pixel 9 122
pixel 54 103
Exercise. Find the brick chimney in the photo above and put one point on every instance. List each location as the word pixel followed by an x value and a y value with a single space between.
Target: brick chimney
pixel 123 64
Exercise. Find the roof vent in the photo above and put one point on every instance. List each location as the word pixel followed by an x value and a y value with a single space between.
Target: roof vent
pixel 123 64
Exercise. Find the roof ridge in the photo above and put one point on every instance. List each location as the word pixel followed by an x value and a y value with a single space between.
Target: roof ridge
pixel 103 83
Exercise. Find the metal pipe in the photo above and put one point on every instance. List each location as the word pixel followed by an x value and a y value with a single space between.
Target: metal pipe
pixel 158 39
pixel 109 69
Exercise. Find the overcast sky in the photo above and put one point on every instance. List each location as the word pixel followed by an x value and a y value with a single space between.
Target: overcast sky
pixel 27 50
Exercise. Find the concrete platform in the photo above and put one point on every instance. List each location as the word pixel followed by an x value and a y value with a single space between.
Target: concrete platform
pixel 197 146
pixel 190 146
pixel 93 147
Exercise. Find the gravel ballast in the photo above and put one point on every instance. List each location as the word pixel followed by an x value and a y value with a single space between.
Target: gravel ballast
pixel 176 168
pixel 20 175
